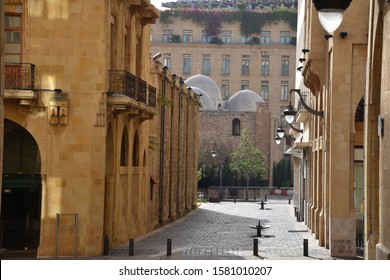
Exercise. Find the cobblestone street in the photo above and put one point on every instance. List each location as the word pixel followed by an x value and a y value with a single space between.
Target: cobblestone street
pixel 222 231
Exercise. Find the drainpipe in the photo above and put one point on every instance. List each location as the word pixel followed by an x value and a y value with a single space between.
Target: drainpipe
pixel 162 137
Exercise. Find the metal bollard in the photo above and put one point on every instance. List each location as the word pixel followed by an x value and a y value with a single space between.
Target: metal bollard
pixel 289 201
pixel 106 243
pixel 262 204
pixel 255 247
pixel 169 247
pixel 234 199
pixel 259 229
pixel 265 198
pixel 131 247
pixel 305 247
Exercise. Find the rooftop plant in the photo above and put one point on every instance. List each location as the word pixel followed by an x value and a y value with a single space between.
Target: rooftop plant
pixel 251 22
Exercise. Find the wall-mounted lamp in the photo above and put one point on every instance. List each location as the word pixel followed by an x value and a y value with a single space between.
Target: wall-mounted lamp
pixel 279 139
pixel 300 68
pixel 305 51
pixel 328 36
pixel 343 35
pixel 331 13
pixel 280 131
pixel 156 56
pixel 302 59
pixel 290 112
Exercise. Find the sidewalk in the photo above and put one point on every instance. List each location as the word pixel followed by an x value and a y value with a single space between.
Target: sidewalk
pixel 220 231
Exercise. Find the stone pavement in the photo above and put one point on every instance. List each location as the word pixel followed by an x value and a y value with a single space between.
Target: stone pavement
pixel 221 231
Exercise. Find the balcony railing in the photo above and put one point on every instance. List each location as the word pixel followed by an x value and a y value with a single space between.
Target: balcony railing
pixel 300 106
pixel 20 76
pixel 122 82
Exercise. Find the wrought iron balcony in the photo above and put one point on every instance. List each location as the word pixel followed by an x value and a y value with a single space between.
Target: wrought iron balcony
pixel 20 76
pixel 123 83
pixel 303 114
pixel 300 106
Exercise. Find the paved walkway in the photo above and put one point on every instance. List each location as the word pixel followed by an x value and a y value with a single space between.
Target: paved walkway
pixel 221 231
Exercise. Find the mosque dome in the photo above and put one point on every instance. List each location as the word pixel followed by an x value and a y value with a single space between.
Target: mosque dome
pixel 207 102
pixel 243 101
pixel 206 84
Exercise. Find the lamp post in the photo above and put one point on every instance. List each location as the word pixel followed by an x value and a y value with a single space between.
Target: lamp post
pixel 214 153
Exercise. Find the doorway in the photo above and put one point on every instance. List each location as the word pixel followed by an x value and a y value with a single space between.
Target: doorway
pixel 21 189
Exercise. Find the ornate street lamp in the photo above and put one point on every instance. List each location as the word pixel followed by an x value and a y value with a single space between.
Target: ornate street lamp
pixel 291 112
pixel 331 12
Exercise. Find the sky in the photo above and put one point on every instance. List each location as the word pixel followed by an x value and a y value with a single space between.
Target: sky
pixel 157 3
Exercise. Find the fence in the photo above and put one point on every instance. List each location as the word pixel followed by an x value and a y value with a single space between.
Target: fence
pixel 237 193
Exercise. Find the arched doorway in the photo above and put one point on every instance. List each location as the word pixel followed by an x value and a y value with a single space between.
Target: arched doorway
pixel 21 189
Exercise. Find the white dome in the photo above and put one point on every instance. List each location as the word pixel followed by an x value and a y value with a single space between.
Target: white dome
pixel 206 84
pixel 207 102
pixel 243 101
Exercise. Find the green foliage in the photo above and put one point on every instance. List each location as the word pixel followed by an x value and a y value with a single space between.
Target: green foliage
pixel 216 41
pixel 165 101
pixel 247 160
pixel 282 173
pixel 175 38
pixel 251 21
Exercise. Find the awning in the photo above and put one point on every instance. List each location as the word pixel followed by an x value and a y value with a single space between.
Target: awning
pixel 297 148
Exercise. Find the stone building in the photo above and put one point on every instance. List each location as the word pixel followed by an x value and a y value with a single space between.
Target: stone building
pixel 222 122
pixel 340 161
pixel 263 63
pixel 82 106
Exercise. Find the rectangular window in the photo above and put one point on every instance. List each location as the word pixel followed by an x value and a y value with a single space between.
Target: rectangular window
pixel 284 91
pixel 13 36
pixel 226 37
pixel 285 65
pixel 167 35
pixel 205 39
pixel 244 84
pixel 265 38
pixel 186 64
pixel 167 60
pixel 187 36
pixel 245 65
pixel 206 64
pixel 265 65
pixel 225 64
pixel 245 38
pixel 264 90
pixel 225 89
pixel 285 37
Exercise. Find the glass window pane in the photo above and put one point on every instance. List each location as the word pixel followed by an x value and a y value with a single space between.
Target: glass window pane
pixel 12 36
pixel 12 21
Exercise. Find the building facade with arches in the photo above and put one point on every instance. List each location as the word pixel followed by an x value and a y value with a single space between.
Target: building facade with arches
pixel 340 188
pixel 79 103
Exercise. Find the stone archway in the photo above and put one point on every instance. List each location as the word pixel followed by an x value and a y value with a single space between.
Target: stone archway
pixel 21 188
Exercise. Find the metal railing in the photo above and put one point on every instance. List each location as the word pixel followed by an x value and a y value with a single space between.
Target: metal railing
pixel 300 105
pixel 122 82
pixel 20 76
pixel 236 193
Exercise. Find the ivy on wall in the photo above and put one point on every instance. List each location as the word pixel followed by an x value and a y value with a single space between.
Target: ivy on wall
pixel 251 22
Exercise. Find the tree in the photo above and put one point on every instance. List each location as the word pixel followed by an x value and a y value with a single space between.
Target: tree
pixel 282 173
pixel 247 160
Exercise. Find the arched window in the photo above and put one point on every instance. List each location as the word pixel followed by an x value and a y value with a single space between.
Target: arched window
pixel 124 148
pixel 236 127
pixel 136 150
